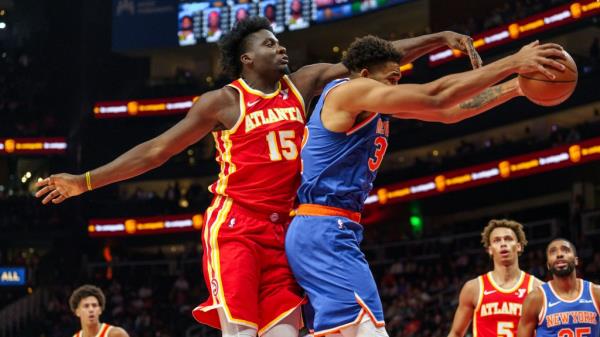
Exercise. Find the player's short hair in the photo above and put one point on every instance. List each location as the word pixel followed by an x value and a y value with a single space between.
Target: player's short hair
pixel 562 239
pixel 234 43
pixel 84 291
pixel 369 51
pixel 516 227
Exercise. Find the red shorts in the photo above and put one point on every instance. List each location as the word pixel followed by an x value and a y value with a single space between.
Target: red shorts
pixel 245 267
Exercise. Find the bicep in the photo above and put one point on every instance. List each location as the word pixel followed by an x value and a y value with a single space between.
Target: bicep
pixel 198 122
pixel 311 79
pixel 465 310
pixel 529 315
pixel 413 99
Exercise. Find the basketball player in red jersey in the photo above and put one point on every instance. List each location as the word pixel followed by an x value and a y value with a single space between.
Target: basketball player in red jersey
pixel 257 122
pixel 87 303
pixel 494 300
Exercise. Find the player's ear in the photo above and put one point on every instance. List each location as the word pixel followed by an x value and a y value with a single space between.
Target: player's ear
pixel 245 58
pixel 364 72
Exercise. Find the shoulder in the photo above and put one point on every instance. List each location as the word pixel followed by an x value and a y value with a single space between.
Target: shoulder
pixel 116 331
pixel 223 96
pixel 595 291
pixel 536 282
pixel 470 290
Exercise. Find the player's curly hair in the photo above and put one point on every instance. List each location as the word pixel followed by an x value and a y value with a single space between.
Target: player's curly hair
pixel 516 227
pixel 233 44
pixel 369 51
pixel 84 291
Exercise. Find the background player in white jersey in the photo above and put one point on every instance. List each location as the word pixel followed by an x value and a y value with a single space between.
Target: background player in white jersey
pixel 493 300
pixel 87 302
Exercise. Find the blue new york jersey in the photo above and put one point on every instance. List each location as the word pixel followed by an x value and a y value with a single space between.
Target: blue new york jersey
pixel 339 167
pixel 576 318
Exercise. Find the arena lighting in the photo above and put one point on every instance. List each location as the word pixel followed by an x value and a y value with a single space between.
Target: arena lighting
pixel 162 106
pixel 143 226
pixel 144 107
pixel 2 25
pixel 558 16
pixel 12 276
pixel 496 171
pixel 56 145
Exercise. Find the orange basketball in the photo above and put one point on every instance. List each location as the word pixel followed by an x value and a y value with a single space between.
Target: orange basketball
pixel 543 91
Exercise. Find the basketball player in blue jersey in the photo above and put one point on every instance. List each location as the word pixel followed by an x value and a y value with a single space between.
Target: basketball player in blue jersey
pixel 344 145
pixel 566 306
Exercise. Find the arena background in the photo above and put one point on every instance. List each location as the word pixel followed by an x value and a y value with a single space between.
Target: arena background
pixel 82 81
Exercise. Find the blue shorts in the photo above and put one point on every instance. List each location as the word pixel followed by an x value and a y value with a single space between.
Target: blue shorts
pixel 325 257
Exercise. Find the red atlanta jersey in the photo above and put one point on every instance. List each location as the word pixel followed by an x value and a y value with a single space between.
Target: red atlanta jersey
pixel 103 332
pixel 499 310
pixel 260 155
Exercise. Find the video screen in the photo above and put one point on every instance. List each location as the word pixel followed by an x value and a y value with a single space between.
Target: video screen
pixel 189 29
pixel 332 13
pixel 215 23
pixel 242 11
pixel 297 14
pixel 274 11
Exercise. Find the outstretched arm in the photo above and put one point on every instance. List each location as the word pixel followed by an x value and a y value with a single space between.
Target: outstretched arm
pixel 532 307
pixel 200 120
pixel 425 101
pixel 486 100
pixel 311 79
pixel 466 306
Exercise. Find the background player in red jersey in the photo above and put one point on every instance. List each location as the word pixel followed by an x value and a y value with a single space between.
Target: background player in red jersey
pixel 256 122
pixel 87 302
pixel 494 300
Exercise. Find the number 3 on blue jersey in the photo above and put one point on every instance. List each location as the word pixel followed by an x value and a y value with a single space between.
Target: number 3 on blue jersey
pixel 381 144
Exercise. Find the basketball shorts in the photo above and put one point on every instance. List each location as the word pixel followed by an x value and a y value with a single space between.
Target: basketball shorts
pixel 245 267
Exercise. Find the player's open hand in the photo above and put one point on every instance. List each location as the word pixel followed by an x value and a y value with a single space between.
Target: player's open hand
pixel 539 57
pixel 59 187
pixel 463 43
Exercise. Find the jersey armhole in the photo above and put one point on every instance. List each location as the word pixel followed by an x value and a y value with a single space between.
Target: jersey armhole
pixel 542 314
pixel 296 93
pixel 594 302
pixel 242 105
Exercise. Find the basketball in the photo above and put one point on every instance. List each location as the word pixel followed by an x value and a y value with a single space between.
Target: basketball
pixel 543 91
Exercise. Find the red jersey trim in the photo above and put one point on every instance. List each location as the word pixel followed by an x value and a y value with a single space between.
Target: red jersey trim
pixel 362 124
pixel 258 92
pixel 296 92
pixel 503 290
pixel 478 306
pixel 242 110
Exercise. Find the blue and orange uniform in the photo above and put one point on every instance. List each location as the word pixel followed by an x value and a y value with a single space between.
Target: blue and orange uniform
pixel 322 243
pixel 564 318
pixel 244 262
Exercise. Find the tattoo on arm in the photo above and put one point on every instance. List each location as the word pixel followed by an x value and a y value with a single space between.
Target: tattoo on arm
pixel 483 98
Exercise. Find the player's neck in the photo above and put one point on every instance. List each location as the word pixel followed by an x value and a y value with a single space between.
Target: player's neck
pixel 506 275
pixel 567 287
pixel 266 84
pixel 90 330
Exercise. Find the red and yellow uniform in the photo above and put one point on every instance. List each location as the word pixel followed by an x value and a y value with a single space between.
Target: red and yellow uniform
pixel 103 332
pixel 244 261
pixel 499 310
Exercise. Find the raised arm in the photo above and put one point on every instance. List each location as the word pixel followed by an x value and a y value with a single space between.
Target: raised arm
pixel 311 79
pixel 486 100
pixel 532 306
pixel 466 306
pixel 200 120
pixel 427 101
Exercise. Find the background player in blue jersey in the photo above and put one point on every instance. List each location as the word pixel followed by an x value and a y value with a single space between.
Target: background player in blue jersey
pixel 566 306
pixel 345 141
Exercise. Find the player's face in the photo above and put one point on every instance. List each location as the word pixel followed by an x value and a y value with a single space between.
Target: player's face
pixel 266 54
pixel 89 310
pixel 504 246
pixel 388 73
pixel 561 258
